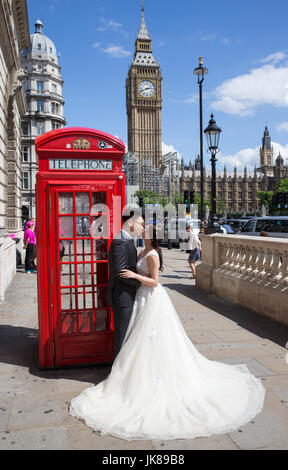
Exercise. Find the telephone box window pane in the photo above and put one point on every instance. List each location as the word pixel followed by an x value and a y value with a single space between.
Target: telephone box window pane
pixel 85 299
pixel 83 203
pixel 83 226
pixel 80 300
pixel 101 320
pixel 66 227
pixel 66 251
pixel 98 199
pixel 67 275
pixel 100 297
pixel 65 203
pixel 84 274
pixel 67 299
pixel 99 227
pixel 86 321
pixel 100 273
pixel 83 250
pixel 100 250
pixel 69 323
pixel 89 299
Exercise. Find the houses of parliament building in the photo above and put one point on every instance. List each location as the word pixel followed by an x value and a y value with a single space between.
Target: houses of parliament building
pixel 237 191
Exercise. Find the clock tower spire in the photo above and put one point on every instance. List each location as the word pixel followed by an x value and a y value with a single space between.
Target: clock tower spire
pixel 144 100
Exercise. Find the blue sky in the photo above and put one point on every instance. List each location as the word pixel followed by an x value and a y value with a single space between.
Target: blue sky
pixel 243 45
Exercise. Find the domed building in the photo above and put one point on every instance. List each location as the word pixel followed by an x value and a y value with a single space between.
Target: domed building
pixel 45 107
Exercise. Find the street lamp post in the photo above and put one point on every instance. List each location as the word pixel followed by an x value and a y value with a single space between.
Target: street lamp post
pixel 212 133
pixel 201 71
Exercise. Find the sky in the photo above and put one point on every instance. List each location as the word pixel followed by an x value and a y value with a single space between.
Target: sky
pixel 243 45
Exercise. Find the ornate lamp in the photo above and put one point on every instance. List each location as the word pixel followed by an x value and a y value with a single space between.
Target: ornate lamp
pixel 212 133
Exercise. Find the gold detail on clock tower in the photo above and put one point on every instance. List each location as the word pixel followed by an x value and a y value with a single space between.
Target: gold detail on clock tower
pixel 144 101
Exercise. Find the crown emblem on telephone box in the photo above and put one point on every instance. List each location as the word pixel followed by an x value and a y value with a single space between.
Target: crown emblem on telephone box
pixel 81 144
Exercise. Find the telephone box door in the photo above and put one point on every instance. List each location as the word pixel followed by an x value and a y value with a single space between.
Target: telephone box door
pixel 80 226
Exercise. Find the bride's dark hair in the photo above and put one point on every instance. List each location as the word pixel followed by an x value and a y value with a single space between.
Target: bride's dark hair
pixel 155 243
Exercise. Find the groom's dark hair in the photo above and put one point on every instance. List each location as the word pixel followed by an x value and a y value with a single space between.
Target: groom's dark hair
pixel 132 216
pixel 127 217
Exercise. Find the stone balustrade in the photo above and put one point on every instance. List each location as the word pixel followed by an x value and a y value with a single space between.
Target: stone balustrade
pixel 251 271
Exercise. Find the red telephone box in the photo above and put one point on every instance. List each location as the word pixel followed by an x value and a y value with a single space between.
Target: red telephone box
pixel 77 212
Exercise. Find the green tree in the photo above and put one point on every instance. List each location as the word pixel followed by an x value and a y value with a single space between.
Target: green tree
pixel 221 206
pixel 197 200
pixel 283 185
pixel 178 198
pixel 266 199
pixel 152 198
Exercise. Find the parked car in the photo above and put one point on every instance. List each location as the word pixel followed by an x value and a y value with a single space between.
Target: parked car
pixel 274 226
pixel 180 234
pixel 237 224
pixel 227 229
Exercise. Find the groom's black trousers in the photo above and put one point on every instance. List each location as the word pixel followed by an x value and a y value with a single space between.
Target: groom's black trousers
pixel 121 318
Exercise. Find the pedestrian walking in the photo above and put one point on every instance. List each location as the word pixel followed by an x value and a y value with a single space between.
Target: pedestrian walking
pixel 194 250
pixel 30 246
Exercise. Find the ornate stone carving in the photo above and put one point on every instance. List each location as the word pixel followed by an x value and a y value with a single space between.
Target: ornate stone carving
pixel 19 77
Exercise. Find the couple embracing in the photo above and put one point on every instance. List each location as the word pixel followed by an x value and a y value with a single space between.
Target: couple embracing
pixel 160 386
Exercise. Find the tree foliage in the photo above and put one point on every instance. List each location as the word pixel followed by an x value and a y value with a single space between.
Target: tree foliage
pixel 283 185
pixel 152 198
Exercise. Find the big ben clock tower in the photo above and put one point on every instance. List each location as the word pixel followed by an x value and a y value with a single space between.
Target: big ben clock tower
pixel 144 100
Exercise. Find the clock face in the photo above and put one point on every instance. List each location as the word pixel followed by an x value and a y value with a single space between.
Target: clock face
pixel 146 88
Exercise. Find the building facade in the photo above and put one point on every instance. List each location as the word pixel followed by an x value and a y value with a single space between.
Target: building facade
pixel 43 87
pixel 237 191
pixel 14 36
pixel 144 102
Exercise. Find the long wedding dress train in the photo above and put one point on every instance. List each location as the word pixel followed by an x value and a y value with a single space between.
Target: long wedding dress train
pixel 161 387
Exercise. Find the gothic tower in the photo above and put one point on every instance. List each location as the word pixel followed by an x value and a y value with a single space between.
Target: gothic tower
pixel 266 154
pixel 144 101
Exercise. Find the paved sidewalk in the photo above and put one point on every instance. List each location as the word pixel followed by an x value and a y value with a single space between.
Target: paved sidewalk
pixel 34 403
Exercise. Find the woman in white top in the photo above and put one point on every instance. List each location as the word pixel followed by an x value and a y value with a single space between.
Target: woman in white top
pixel 194 249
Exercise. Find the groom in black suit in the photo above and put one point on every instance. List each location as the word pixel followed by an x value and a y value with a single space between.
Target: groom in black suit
pixel 121 292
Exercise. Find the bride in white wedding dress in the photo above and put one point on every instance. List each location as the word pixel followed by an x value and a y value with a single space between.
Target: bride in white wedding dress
pixel 160 386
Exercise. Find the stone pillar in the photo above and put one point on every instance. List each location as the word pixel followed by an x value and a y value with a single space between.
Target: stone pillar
pixel 13 207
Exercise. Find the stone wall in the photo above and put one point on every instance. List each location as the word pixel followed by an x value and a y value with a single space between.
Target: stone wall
pixel 14 37
pixel 251 271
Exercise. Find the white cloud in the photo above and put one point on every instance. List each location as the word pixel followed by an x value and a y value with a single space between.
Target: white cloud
pixel 278 148
pixel 250 157
pixel 243 94
pixel 274 58
pixel 192 98
pixel 170 148
pixel 207 37
pixel 283 126
pixel 111 25
pixel 116 51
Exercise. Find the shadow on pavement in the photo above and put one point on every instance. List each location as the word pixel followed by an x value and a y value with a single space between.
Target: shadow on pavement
pixel 248 319
pixel 19 347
